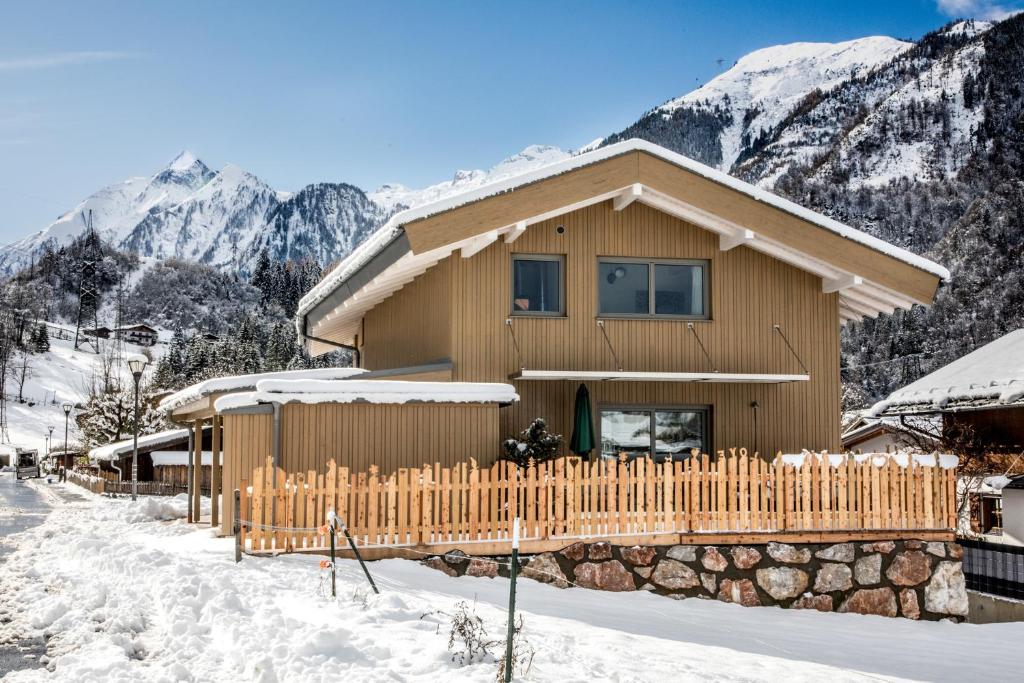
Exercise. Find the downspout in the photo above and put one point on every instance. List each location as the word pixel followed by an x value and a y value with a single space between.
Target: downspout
pixel 276 435
pixel 120 475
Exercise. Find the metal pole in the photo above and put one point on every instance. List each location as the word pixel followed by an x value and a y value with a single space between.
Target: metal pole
pixel 238 526
pixel 67 414
pixel 512 601
pixel 334 566
pixel 135 440
pixel 352 544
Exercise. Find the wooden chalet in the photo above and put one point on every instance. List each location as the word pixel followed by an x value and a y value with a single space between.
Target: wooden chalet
pixel 701 312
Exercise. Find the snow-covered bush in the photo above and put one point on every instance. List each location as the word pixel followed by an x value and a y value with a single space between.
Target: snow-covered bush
pixel 535 443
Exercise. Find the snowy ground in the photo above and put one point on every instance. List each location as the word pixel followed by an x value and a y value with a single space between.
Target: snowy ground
pixel 61 374
pixel 121 595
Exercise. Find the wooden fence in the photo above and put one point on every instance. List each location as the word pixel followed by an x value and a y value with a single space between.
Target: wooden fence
pixel 104 483
pixel 565 499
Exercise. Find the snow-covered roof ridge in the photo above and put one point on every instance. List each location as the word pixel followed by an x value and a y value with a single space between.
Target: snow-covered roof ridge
pixel 390 230
pixel 244 382
pixel 990 375
pixel 113 451
pixel 902 458
pixel 368 391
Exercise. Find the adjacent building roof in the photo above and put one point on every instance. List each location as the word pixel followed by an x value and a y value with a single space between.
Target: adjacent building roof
pixel 235 383
pixel 367 391
pixel 989 377
pixel 871 276
pixel 119 449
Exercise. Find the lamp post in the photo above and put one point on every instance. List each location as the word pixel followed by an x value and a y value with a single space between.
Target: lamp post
pixel 67 413
pixel 136 363
pixel 49 443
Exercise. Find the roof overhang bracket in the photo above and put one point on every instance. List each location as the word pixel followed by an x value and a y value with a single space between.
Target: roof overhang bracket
pixel 840 283
pixel 515 233
pixel 630 195
pixel 478 244
pixel 736 239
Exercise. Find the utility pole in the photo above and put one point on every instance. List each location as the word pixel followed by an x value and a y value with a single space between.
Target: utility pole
pixel 88 287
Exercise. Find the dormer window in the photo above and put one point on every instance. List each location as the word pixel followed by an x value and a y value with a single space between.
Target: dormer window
pixel 538 284
pixel 646 288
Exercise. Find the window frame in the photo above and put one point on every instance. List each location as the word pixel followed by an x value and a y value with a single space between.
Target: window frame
pixel 556 258
pixel 651 263
pixel 651 409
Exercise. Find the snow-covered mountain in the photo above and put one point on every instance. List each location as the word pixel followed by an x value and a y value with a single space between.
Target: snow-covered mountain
pixel 226 218
pixel 395 196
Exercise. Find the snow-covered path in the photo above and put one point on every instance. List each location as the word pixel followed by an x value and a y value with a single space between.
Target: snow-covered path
pixel 122 595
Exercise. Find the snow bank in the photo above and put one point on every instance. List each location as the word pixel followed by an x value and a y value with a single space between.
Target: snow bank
pixel 243 382
pixel 162 601
pixel 369 391
pixel 901 458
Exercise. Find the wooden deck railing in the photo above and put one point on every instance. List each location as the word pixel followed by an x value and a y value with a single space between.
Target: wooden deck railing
pixel 566 499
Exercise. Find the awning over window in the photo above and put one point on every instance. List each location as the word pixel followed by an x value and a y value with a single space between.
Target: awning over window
pixel 622 376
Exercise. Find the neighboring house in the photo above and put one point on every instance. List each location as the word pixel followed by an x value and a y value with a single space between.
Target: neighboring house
pixel 1013 510
pixel 701 312
pixel 888 434
pixel 141 335
pixel 163 457
pixel 979 398
pixel 101 332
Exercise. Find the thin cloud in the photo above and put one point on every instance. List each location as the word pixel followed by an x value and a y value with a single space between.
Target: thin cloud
pixel 59 59
pixel 975 9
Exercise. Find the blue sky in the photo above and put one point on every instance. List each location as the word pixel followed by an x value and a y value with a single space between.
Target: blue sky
pixel 366 93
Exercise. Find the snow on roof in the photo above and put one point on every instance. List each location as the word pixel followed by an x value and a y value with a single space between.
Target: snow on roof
pixel 113 451
pixel 369 391
pixel 166 458
pixel 244 382
pixel 992 375
pixel 376 242
pixel 902 458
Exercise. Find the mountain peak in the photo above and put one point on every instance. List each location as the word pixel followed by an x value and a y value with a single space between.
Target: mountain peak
pixel 184 161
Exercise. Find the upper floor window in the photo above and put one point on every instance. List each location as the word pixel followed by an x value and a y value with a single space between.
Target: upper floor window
pixel 538 284
pixel 652 288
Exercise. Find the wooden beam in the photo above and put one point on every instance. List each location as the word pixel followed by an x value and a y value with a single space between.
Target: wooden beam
pixel 197 472
pixel 840 283
pixel 515 233
pixel 215 474
pixel 479 244
pixel 727 242
pixel 631 194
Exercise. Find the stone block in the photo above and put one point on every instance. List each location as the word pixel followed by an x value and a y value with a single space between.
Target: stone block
pixel 782 582
pixel 909 568
pixel 877 601
pixel 605 576
pixel 674 575
pixel 868 570
pixel 785 553
pixel 745 558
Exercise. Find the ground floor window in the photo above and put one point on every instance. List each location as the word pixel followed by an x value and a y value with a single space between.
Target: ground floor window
pixel 665 433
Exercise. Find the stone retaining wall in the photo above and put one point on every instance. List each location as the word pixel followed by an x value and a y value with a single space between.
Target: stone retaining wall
pixel 912 579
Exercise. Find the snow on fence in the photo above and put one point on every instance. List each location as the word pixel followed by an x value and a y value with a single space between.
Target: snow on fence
pixel 566 499
pixel 108 483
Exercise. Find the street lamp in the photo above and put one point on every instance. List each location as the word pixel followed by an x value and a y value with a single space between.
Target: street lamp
pixel 67 413
pixel 136 363
pixel 49 442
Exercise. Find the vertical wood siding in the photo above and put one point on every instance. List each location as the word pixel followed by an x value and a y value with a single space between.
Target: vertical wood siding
pixel 749 292
pixel 411 327
pixel 247 443
pixel 358 435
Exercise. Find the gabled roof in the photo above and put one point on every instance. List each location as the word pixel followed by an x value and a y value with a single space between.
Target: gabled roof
pixel 989 377
pixel 871 276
